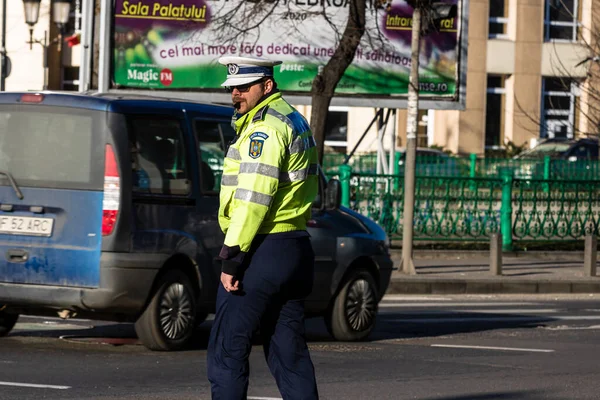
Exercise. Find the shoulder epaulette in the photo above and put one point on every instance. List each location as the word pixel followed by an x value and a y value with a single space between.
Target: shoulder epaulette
pixel 260 114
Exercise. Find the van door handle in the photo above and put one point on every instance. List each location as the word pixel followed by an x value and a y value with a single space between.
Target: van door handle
pixel 17 255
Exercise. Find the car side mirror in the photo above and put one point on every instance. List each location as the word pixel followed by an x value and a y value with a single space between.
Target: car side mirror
pixel 333 194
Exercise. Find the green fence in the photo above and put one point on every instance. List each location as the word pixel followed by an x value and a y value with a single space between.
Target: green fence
pixel 472 166
pixel 463 209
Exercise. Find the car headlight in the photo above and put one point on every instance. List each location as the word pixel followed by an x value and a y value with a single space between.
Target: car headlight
pixel 384 246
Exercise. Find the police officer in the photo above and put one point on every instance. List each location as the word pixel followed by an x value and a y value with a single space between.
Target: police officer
pixel 269 183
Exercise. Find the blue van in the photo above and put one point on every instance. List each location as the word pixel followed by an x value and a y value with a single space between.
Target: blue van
pixel 108 210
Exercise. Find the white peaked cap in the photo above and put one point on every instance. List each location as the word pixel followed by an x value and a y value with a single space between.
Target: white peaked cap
pixel 243 70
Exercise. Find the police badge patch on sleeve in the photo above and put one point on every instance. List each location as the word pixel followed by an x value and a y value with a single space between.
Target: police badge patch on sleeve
pixel 257 143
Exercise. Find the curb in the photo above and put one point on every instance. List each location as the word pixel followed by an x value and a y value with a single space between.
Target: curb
pixel 489 286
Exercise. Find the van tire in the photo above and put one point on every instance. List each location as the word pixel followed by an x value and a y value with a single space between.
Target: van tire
pixel 169 319
pixel 351 316
pixel 7 322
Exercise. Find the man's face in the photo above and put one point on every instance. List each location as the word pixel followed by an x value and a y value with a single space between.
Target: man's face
pixel 246 97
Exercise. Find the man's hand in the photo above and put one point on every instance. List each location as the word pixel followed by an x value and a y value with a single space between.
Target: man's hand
pixel 230 282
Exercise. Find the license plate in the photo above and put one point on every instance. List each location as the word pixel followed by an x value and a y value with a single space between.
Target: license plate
pixel 26 225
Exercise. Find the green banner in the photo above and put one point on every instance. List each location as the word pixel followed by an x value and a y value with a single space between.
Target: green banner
pixel 175 44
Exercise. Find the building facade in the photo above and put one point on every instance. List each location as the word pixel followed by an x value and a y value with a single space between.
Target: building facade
pixel 28 61
pixel 525 79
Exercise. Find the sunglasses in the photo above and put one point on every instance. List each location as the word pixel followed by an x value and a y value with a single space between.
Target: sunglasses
pixel 243 88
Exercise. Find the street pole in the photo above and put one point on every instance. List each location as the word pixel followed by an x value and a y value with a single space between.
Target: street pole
pixel 85 61
pixel 3 50
pixel 407 266
pixel 105 42
pixel 392 155
pixel 45 60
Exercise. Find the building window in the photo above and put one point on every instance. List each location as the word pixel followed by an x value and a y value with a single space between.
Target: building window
pixel 498 19
pixel 336 129
pixel 562 18
pixel 494 115
pixel 560 96
pixel 422 122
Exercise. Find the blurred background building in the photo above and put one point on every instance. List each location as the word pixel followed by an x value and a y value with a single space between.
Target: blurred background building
pixel 525 79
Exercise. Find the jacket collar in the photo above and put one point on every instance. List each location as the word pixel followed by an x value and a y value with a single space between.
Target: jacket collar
pixel 241 121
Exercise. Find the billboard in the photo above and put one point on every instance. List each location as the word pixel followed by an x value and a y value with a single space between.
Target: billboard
pixel 174 45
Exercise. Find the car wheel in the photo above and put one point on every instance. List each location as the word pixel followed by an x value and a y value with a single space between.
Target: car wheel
pixel 7 322
pixel 169 320
pixel 354 309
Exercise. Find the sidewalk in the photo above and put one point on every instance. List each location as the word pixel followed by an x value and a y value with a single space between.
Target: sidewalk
pixel 455 272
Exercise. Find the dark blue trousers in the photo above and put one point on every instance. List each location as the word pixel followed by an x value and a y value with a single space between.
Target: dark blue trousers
pixel 277 277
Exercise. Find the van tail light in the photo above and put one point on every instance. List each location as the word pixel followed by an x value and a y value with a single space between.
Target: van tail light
pixel 112 189
pixel 32 98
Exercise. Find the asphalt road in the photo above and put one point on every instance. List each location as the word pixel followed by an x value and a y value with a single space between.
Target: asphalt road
pixel 425 348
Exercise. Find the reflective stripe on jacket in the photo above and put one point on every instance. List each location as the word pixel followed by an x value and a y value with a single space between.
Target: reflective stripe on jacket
pixel 269 175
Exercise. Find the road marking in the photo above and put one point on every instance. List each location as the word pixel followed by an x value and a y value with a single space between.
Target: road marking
pixel 399 297
pixel 523 318
pixel 57 319
pixel 483 311
pixel 456 346
pixel 468 312
pixel 390 304
pixel 570 328
pixel 34 385
pixel 575 317
pixel 508 311
pixel 263 398
pixel 33 326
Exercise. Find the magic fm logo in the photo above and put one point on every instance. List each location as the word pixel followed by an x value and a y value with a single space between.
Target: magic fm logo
pixel 165 77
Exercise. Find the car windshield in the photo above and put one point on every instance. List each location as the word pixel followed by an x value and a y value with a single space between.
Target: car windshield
pixel 546 149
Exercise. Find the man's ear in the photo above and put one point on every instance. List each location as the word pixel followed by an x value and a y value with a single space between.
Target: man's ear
pixel 269 86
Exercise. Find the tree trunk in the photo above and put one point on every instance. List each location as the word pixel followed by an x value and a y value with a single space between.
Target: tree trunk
pixel 325 82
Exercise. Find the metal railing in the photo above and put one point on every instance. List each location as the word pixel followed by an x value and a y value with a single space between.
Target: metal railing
pixel 473 166
pixel 460 209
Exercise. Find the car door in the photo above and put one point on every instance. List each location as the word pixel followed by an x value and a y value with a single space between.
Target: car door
pixel 576 163
pixel 163 195
pixel 324 238
pixel 52 159
pixel 211 138
pixel 593 148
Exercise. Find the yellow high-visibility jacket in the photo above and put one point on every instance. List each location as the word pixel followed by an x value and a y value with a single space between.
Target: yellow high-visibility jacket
pixel 269 177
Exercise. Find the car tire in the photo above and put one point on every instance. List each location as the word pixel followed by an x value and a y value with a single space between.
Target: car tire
pixel 353 311
pixel 169 319
pixel 7 322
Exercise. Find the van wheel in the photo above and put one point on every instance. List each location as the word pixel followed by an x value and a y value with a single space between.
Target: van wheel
pixel 168 321
pixel 7 322
pixel 354 309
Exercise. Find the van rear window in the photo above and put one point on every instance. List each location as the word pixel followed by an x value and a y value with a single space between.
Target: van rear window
pixel 51 146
